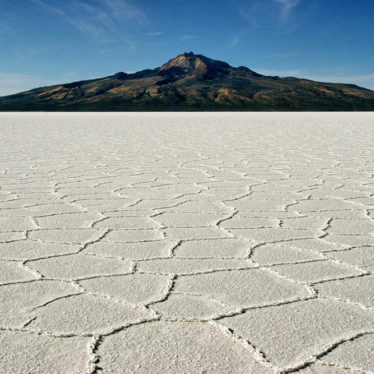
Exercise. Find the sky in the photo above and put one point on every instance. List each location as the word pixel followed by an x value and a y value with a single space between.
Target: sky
pixel 45 42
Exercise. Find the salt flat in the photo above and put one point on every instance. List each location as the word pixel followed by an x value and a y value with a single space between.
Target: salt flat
pixel 186 243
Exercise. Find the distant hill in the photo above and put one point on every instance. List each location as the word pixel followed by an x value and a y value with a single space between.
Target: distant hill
pixel 193 83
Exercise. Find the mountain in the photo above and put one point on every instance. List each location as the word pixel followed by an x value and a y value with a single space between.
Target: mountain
pixel 193 83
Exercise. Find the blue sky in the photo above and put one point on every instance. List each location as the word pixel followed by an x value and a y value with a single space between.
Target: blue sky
pixel 43 42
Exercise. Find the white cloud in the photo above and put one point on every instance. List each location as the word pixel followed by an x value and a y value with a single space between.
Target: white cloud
pixel 250 12
pixel 286 8
pixel 235 40
pixel 186 37
pixel 121 9
pixel 155 33
pixel 49 7
pixel 260 12
pixel 99 19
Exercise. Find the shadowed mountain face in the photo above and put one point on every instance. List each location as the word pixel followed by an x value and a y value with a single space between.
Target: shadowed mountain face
pixel 192 82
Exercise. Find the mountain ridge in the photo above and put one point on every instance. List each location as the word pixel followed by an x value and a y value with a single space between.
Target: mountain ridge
pixel 192 82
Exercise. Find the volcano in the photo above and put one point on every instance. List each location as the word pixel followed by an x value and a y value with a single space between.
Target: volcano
pixel 192 82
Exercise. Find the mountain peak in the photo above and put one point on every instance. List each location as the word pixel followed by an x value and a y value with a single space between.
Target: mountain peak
pixel 188 54
pixel 188 62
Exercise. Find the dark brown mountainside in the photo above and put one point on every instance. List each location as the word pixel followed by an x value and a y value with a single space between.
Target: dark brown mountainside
pixel 192 82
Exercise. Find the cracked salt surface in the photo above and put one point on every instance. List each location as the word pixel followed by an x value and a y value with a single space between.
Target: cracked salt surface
pixel 184 243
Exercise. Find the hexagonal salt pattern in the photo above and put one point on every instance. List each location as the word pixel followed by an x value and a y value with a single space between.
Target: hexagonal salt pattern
pixel 314 325
pixel 166 347
pixel 186 243
pixel 25 352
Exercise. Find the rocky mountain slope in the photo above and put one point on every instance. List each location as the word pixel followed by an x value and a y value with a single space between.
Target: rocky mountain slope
pixel 193 83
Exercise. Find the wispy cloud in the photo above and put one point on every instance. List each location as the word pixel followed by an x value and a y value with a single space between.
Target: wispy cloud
pixel 99 19
pixel 260 12
pixel 186 37
pixel 238 37
pixel 155 33
pixel 122 9
pixel 235 40
pixel 286 8
pixel 49 7
pixel 250 11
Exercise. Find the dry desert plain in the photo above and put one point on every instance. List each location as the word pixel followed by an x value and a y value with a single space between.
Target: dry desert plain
pixel 186 243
